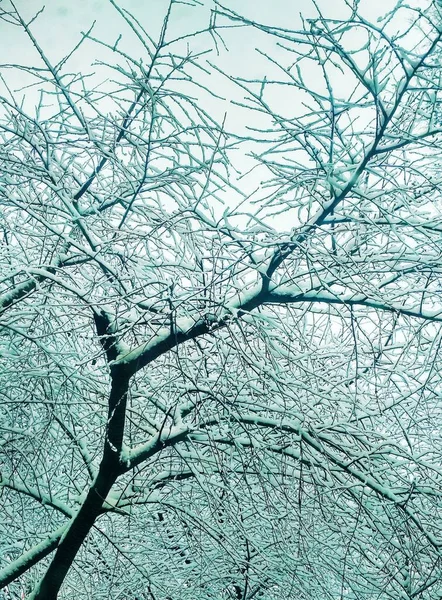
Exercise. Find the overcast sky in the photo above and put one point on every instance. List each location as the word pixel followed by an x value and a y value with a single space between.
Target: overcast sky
pixel 58 29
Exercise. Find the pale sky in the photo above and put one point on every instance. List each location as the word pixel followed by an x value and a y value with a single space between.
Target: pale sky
pixel 58 29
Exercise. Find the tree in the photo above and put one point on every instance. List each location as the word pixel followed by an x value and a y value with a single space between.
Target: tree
pixel 209 392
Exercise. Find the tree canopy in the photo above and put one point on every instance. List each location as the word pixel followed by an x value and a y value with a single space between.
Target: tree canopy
pixel 220 309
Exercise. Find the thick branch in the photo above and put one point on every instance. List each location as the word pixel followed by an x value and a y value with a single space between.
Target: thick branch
pixel 185 329
pixel 26 287
pixel 74 535
pixel 167 437
pixel 318 443
pixel 291 296
pixel 30 558
pixel 37 495
pixel 92 507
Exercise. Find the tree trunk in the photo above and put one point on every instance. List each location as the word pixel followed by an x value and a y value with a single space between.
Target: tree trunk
pixel 84 520
pixel 77 532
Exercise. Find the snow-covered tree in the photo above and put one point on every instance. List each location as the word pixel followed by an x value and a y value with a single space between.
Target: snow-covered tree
pixel 220 322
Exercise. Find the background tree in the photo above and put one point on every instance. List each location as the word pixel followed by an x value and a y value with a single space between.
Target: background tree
pixel 208 392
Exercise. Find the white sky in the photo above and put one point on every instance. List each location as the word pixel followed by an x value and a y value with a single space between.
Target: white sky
pixel 58 29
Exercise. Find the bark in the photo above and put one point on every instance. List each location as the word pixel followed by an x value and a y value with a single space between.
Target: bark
pixel 30 558
pixel 82 523
pixel 77 532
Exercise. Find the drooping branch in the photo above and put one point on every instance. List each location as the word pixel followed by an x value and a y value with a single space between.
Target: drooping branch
pixel 282 296
pixel 43 499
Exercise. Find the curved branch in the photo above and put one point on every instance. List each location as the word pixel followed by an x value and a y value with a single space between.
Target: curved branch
pixel 36 495
pixel 293 296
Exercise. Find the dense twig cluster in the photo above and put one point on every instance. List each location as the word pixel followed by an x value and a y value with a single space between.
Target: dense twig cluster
pixel 207 393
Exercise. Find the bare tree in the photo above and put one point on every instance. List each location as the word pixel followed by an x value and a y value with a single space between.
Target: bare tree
pixel 208 392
